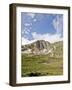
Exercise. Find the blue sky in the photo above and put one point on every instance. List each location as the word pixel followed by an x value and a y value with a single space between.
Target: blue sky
pixel 38 26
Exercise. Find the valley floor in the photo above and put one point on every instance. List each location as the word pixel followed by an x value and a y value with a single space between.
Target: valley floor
pixel 41 65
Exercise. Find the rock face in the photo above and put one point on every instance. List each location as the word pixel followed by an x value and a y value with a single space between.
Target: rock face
pixel 44 47
pixel 41 44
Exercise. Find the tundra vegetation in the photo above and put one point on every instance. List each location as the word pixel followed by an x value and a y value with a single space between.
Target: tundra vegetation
pixel 42 58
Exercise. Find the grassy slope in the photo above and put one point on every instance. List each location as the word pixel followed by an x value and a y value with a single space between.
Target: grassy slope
pixel 40 65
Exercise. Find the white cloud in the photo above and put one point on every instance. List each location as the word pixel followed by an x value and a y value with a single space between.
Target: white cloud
pixel 26 41
pixel 47 37
pixel 31 15
pixel 27 24
pixel 35 20
pixel 25 31
pixel 57 23
pixel 22 32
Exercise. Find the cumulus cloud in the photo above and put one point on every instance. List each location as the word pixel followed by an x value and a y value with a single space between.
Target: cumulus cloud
pixel 58 24
pixel 27 24
pixel 26 41
pixel 47 37
pixel 25 32
pixel 35 20
pixel 32 15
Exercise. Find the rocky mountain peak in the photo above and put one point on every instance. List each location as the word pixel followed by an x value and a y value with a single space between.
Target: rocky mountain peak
pixel 43 47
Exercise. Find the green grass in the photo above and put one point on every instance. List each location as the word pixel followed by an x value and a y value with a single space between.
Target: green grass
pixel 40 65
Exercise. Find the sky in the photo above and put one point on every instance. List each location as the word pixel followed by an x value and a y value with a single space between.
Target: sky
pixel 41 26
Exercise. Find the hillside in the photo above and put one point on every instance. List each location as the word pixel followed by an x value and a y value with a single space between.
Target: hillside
pixel 42 58
pixel 44 47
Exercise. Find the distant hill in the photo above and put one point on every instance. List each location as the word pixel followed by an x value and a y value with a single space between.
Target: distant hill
pixel 44 47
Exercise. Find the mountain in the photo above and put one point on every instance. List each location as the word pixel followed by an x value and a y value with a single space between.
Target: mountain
pixel 58 49
pixel 44 47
